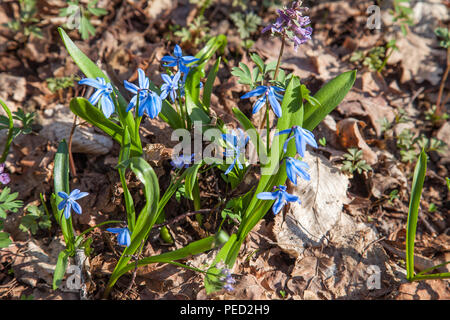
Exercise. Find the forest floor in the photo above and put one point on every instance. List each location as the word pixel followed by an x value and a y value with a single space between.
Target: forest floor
pixel 381 115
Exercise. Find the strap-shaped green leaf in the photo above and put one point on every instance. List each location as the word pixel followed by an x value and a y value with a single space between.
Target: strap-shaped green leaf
pixel 61 183
pixel 191 178
pixel 207 90
pixel 60 269
pixel 85 110
pixel 329 96
pixel 216 43
pixel 124 156
pixel 90 69
pixel 249 127
pixel 413 211
pixel 146 219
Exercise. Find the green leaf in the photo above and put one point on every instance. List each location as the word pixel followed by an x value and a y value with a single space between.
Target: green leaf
pixel 292 114
pixel 244 74
pixel 10 126
pixel 413 212
pixel 124 156
pixel 191 178
pixel 61 183
pixel 146 219
pixel 8 202
pixel 259 62
pixel 207 90
pixel 60 269
pixel 249 127
pixel 329 96
pixel 91 70
pixel 4 240
pixel 216 43
pixel 86 28
pixel 196 112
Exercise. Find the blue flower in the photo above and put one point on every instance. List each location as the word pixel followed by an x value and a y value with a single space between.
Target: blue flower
pixel 170 86
pixel 235 147
pixel 149 101
pixel 69 202
pixel 178 59
pixel 302 137
pixel 103 94
pixel 280 196
pixel 271 92
pixel 225 277
pixel 183 161
pixel 296 168
pixel 124 236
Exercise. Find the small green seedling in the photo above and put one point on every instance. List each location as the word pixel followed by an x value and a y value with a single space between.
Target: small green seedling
pixel 354 162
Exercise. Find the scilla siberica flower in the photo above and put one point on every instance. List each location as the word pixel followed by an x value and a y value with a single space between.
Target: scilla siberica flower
pixel 170 86
pixel 4 177
pixel 235 147
pixel 296 168
pixel 301 136
pixel 149 101
pixel 183 161
pixel 292 24
pixel 123 235
pixel 280 196
pixel 69 202
pixel 103 94
pixel 178 60
pixel 267 92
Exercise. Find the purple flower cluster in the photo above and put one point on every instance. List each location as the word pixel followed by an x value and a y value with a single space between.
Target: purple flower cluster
pixel 4 177
pixel 226 279
pixel 292 24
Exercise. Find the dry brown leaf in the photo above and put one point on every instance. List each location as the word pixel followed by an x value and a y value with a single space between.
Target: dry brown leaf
pixel 350 137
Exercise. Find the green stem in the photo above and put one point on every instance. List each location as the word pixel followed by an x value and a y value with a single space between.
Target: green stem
pixel 268 128
pixel 432 268
pixel 181 112
pixel 137 120
pixel 431 276
pixel 98 225
pixel 10 132
pixel 277 69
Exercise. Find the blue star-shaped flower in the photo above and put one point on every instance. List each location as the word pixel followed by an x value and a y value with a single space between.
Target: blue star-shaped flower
pixel 124 235
pixel 149 101
pixel 302 137
pixel 280 196
pixel 69 202
pixel 103 93
pixel 170 86
pixel 296 168
pixel 266 92
pixel 178 59
pixel 183 161
pixel 235 147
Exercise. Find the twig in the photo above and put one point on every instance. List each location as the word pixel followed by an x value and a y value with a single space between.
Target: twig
pixel 439 106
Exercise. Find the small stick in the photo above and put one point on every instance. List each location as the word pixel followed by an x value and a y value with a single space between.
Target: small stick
pixel 439 106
